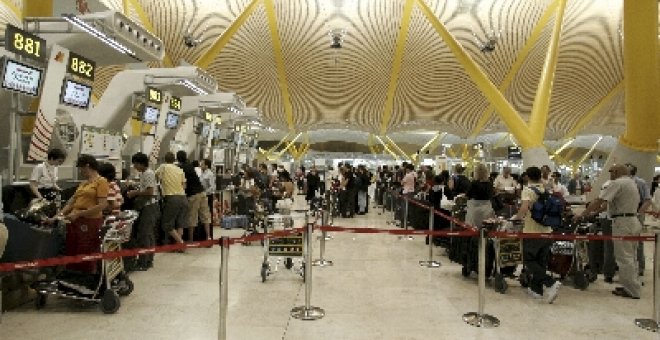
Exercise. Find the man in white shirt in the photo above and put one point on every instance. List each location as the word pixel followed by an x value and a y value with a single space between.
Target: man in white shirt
pixel 504 181
pixel 557 187
pixel 43 181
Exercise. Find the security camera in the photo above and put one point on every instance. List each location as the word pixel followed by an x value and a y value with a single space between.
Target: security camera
pixel 190 41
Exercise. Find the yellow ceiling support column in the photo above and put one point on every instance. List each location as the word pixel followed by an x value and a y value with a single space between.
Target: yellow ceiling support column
pixel 539 115
pixel 270 151
pixel 288 146
pixel 396 65
pixel 387 148
pixel 279 61
pixel 37 8
pixel 561 148
pixel 586 155
pixel 520 59
pixel 125 7
pixel 146 22
pixel 509 115
pixel 205 60
pixel 501 141
pixel 397 148
pixel 589 116
pixel 642 78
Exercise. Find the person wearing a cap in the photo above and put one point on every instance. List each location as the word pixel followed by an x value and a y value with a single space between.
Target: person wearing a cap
pixel 622 200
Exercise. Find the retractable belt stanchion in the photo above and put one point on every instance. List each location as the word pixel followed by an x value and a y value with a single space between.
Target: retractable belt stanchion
pixel 322 262
pixel 430 263
pixel 405 219
pixel 654 323
pixel 224 291
pixel 480 319
pixel 308 312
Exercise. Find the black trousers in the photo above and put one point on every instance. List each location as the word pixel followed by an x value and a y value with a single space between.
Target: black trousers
pixel 536 255
pixel 146 232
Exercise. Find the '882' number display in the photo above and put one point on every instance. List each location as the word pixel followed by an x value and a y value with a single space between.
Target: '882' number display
pixel 81 66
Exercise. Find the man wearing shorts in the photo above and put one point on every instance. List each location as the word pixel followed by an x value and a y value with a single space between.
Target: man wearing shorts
pixel 198 208
pixel 175 204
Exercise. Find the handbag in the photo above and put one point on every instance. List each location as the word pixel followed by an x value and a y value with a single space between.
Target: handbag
pixel 496 203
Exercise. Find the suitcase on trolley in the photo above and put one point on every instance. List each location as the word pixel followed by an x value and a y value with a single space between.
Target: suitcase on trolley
pixel 235 221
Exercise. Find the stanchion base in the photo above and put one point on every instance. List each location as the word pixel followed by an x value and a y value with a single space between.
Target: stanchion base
pixel 481 320
pixel 406 238
pixel 322 263
pixel 311 313
pixel 430 264
pixel 327 238
pixel 648 324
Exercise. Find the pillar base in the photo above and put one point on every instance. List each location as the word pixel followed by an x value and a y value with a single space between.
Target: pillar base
pixel 622 154
pixel 536 156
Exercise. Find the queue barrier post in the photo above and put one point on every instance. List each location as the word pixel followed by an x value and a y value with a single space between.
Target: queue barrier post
pixel 479 318
pixel 322 262
pixel 224 291
pixel 653 324
pixel 430 263
pixel 308 312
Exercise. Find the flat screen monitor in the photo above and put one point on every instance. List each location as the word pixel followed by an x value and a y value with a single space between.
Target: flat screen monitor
pixel 75 94
pixel 150 115
pixel 21 77
pixel 198 128
pixel 172 121
pixel 514 152
pixel 205 130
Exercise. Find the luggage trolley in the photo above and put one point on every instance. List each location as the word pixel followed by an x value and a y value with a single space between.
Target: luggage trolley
pixel 508 251
pixel 286 247
pixel 113 281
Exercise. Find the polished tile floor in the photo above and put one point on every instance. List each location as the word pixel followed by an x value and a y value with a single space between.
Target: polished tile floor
pixel 375 290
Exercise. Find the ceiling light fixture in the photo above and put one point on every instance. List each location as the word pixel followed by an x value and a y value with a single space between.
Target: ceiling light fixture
pixel 74 20
pixel 489 43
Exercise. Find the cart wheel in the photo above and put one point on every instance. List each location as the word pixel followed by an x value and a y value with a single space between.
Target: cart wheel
pixel 500 284
pixel 40 300
pixel 288 263
pixel 465 271
pixel 580 280
pixel 591 276
pixel 524 279
pixel 125 287
pixel 110 302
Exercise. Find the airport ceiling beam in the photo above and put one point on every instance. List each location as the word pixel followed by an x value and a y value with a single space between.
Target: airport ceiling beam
pixel 387 148
pixel 518 63
pixel 589 116
pixel 288 146
pixel 205 60
pixel 507 112
pixel 279 61
pixel 396 65
pixel 397 148
pixel 271 150
pixel 13 8
pixel 541 107
pixel 146 22
pixel 586 155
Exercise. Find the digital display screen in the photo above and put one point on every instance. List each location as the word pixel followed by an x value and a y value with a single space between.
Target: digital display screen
pixel 151 115
pixel 175 103
pixel 515 153
pixel 25 44
pixel 155 95
pixel 205 130
pixel 75 94
pixel 172 120
pixel 22 78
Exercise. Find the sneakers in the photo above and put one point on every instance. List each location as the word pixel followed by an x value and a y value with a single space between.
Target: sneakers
pixel 552 291
pixel 533 294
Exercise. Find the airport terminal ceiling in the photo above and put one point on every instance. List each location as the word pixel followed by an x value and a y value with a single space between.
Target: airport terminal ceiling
pixel 279 59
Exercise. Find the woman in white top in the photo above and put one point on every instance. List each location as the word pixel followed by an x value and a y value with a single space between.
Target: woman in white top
pixel 43 181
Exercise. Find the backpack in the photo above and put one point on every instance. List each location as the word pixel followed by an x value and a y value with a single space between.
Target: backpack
pixel 547 209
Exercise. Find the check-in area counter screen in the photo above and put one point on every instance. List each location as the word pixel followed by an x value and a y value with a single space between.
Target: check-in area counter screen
pixel 21 77
pixel 172 120
pixel 151 115
pixel 205 130
pixel 76 94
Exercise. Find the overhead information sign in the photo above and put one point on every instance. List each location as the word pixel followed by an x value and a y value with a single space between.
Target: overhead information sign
pixel 81 66
pixel 24 44
pixel 154 95
pixel 175 103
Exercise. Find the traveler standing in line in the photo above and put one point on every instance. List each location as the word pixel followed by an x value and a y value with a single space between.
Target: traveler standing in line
pixel 479 206
pixel 313 183
pixel 644 204
pixel 43 181
pixel 175 204
pixel 557 187
pixel 208 182
pixel 459 183
pixel 362 182
pixel 536 252
pixel 505 181
pixel 621 198
pixel 115 199
pixel 147 204
pixel 575 185
pixel 197 206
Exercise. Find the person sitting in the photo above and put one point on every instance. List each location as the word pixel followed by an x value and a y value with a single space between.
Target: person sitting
pixel 84 213
pixel 43 181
